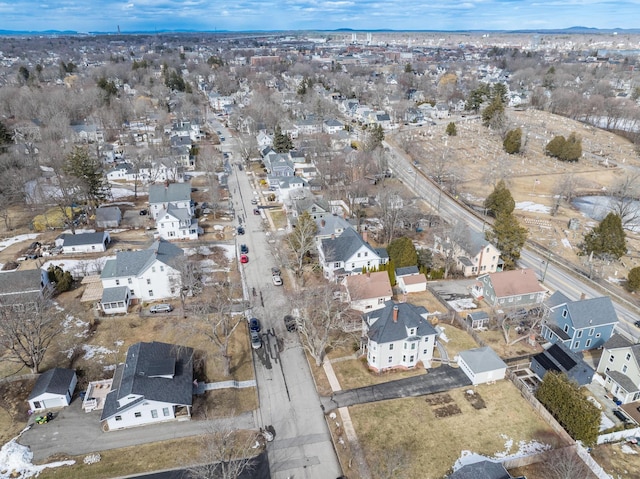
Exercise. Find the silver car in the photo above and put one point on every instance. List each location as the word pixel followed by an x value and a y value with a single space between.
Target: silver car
pixel 256 342
pixel 161 308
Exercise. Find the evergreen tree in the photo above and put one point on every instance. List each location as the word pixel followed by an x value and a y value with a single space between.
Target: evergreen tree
pixel 92 184
pixel 499 91
pixel 513 141
pixel 509 237
pixel 564 149
pixel 493 114
pixel 375 137
pixel 607 240
pixel 500 200
pixel 391 270
pixel 61 279
pixel 402 252
pixel 5 137
pixel 565 400
pixel 477 98
pixel 633 280
pixel 451 129
pixel 281 142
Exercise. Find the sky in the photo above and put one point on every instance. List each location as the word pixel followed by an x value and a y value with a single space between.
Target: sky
pixel 243 15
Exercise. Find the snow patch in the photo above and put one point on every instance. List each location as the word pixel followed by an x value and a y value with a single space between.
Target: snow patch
pixel 462 304
pixel 91 351
pixel 15 461
pixel 79 267
pixel 524 449
pixel 118 193
pixel 627 449
pixel 533 207
pixel 5 243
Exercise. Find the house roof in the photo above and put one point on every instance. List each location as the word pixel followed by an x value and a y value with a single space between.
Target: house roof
pixel 172 193
pixel 21 281
pixel 474 242
pixel 514 283
pixel 133 263
pixel 382 328
pixel 382 253
pixel 108 213
pixel 556 299
pixel 560 358
pixel 586 313
pixel 481 470
pixel 181 214
pixel 306 204
pixel 154 371
pixel 623 380
pixel 481 360
pixel 369 285
pixel 54 381
pixel 406 271
pixel 115 294
pixel 331 224
pixel 414 279
pixel 344 246
pixel 617 341
pixel 478 315
pixel 81 239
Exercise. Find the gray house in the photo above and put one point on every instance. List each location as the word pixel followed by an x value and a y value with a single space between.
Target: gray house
pixel 22 287
pixel 53 388
pixel 620 366
pixel 176 194
pixel 561 359
pixel 509 289
pixel 581 325
pixel 108 217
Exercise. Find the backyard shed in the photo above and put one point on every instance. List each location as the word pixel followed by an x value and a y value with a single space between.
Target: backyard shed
pixel 482 365
pixel 108 217
pixel 53 388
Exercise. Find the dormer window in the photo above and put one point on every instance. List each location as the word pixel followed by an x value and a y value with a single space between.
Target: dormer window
pixel 564 313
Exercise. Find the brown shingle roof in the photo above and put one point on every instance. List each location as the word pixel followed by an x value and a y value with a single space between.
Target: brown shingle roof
pixel 369 285
pixel 514 283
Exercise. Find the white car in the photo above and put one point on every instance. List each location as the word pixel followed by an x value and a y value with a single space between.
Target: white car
pixel 161 308
pixel 277 280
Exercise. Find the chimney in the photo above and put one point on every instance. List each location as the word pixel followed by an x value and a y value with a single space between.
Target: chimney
pixel 395 314
pixel 365 236
pixel 583 296
pixel 323 223
pixel 333 236
pixel 368 274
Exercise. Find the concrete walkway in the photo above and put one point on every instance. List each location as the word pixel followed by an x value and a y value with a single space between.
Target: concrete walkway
pixel 347 425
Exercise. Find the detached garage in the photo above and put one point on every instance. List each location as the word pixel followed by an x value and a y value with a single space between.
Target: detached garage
pixel 482 365
pixel 53 389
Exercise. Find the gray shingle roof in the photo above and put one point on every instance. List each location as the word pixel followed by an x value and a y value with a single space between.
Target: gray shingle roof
pixel 330 224
pixel 108 213
pixel 556 299
pixel 167 194
pixel 54 381
pixel 344 246
pixel 13 282
pixel 587 313
pixel 481 470
pixel 181 214
pixel 385 330
pixel 113 295
pixel 623 380
pixel 481 360
pixel 133 263
pixel 141 376
pixel 81 239
pixel 407 271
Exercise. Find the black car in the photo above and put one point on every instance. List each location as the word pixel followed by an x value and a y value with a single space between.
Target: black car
pixel 240 230
pixel 254 325
pixel 290 323
pixel 244 249
pixel 143 212
pixel 637 324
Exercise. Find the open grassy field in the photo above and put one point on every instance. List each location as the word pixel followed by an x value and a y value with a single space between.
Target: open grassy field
pixel 433 431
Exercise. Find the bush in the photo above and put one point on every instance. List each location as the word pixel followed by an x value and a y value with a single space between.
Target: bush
pixel 633 280
pixel 451 129
pixel 513 141
pixel 569 149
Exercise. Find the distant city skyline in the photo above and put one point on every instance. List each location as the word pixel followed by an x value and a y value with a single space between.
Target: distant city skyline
pixel 247 15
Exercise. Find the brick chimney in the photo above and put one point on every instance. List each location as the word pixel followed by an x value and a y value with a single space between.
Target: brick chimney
pixel 395 314
pixel 323 223
pixel 365 236
pixel 583 296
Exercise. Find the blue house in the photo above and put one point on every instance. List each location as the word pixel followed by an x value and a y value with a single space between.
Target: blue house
pixel 579 325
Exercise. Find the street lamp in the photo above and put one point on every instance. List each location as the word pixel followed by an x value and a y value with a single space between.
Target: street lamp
pixel 546 266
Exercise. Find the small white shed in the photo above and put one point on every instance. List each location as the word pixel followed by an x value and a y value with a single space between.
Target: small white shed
pixel 482 365
pixel 53 389
pixel 86 242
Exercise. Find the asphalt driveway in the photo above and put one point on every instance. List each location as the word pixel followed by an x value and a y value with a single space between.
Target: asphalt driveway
pixel 440 379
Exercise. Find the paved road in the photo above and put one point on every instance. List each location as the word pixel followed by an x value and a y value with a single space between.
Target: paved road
pixel 443 378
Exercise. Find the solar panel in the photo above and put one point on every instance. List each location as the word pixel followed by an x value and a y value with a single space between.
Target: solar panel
pixel 545 362
pixel 561 357
pixel 161 367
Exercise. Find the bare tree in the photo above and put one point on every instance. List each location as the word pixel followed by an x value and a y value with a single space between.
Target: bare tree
pixel 565 464
pixel 624 199
pixel 321 318
pixel 224 454
pixel 28 325
pixel 188 280
pixel 391 205
pixel 393 463
pixel 302 240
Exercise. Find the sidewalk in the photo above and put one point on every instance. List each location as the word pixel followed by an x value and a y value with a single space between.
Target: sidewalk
pixel 347 425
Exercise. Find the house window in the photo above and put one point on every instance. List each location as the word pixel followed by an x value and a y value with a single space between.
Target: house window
pixel 154 413
pixel 624 368
pixel 611 358
pixel 591 331
pixel 425 352
pixel 153 269
pixel 598 335
pixel 412 331
pixel 93 246
pixel 411 358
pixel 117 282
pixel 150 293
pixel 353 265
pixel 413 345
pixel 579 335
pixel 138 414
pixel 564 313
pixel 607 370
pixel 358 255
pixel 366 253
pixel 390 359
pixel 566 328
pixel 576 345
pixel 118 418
pixel 130 280
pixel 627 357
pixel 588 343
pixel 165 411
pixel 161 268
pixel 336 265
pixel 391 347
pixel 148 280
pixel 404 358
pixel 373 359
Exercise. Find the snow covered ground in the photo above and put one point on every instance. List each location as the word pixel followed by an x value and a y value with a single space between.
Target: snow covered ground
pixel 79 267
pixel 523 449
pixel 533 207
pixel 5 243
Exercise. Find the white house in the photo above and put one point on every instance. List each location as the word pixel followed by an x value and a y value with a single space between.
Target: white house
pixel 176 224
pixel 346 254
pixel 176 194
pixel 398 336
pixel 482 365
pixel 410 280
pixel 53 388
pixel 85 242
pixel 369 291
pixel 473 254
pixel 146 275
pixel 155 384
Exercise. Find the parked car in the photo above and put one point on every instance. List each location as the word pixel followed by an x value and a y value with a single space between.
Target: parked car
pixel 637 324
pixel 256 211
pixel 254 325
pixel 240 230
pixel 290 323
pixel 240 167
pixel 244 249
pixel 275 271
pixel 256 342
pixel 254 201
pixel 277 280
pixel 143 213
pixel 244 258
pixel 161 308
